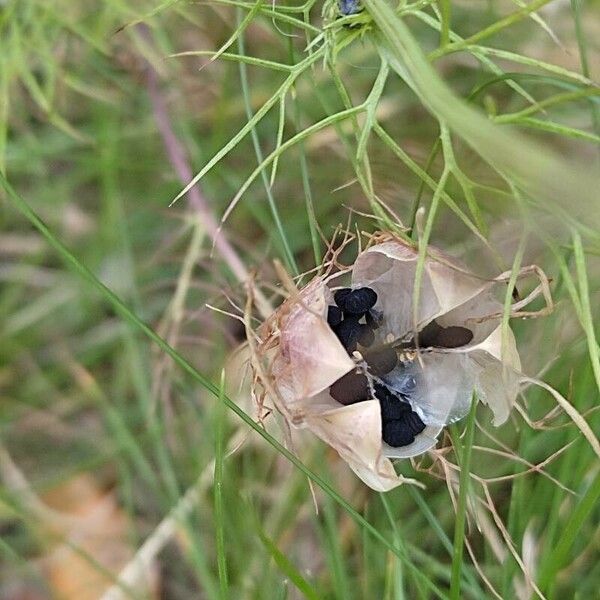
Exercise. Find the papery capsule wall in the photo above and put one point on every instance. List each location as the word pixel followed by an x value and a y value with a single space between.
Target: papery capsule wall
pixel 305 357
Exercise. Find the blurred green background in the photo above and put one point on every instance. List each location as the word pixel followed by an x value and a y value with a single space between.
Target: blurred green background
pixel 107 447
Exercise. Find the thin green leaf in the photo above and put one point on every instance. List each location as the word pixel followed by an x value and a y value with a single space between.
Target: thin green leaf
pixel 371 106
pixel 249 60
pixel 251 123
pixel 218 495
pixel 557 128
pixel 461 508
pixel 287 567
pixel 559 554
pixel 536 170
pixel 491 30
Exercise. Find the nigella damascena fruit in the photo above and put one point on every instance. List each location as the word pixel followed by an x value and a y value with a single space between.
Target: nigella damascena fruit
pixel 377 378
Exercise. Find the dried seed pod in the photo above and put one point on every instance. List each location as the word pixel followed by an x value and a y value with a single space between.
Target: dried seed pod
pixel 308 372
pixel 451 296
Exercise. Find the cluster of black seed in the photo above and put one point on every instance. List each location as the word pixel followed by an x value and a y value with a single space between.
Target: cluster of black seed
pixel 351 319
pixel 354 321
pixel 399 422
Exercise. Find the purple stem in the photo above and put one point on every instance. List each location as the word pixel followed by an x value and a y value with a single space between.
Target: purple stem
pixel 196 199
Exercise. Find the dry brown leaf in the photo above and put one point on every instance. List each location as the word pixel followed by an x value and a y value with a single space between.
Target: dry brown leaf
pixel 95 544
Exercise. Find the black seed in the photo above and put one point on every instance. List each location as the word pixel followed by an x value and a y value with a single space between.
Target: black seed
pixel 428 335
pixel 340 296
pixel 391 406
pixel 366 337
pixel 433 335
pixel 413 422
pixel 453 337
pixel 382 392
pixel 374 318
pixel 352 387
pixel 396 433
pixel 348 332
pixel 334 316
pixel 381 360
pixel 359 301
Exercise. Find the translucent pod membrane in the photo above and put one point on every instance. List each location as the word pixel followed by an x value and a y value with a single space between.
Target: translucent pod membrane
pixel 437 386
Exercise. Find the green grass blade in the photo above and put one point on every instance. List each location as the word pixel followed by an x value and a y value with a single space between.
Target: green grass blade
pixel 218 495
pixel 484 60
pixel 427 180
pixel 399 579
pixel 587 319
pixel 276 14
pixel 371 104
pixel 279 138
pixel 250 124
pixel 583 55
pixel 287 251
pixel 491 30
pixel 287 567
pixel 249 60
pixel 570 531
pixel 557 128
pixel 299 137
pixel 313 224
pixel 461 509
pixel 239 31
pixel 531 62
pixel 536 170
